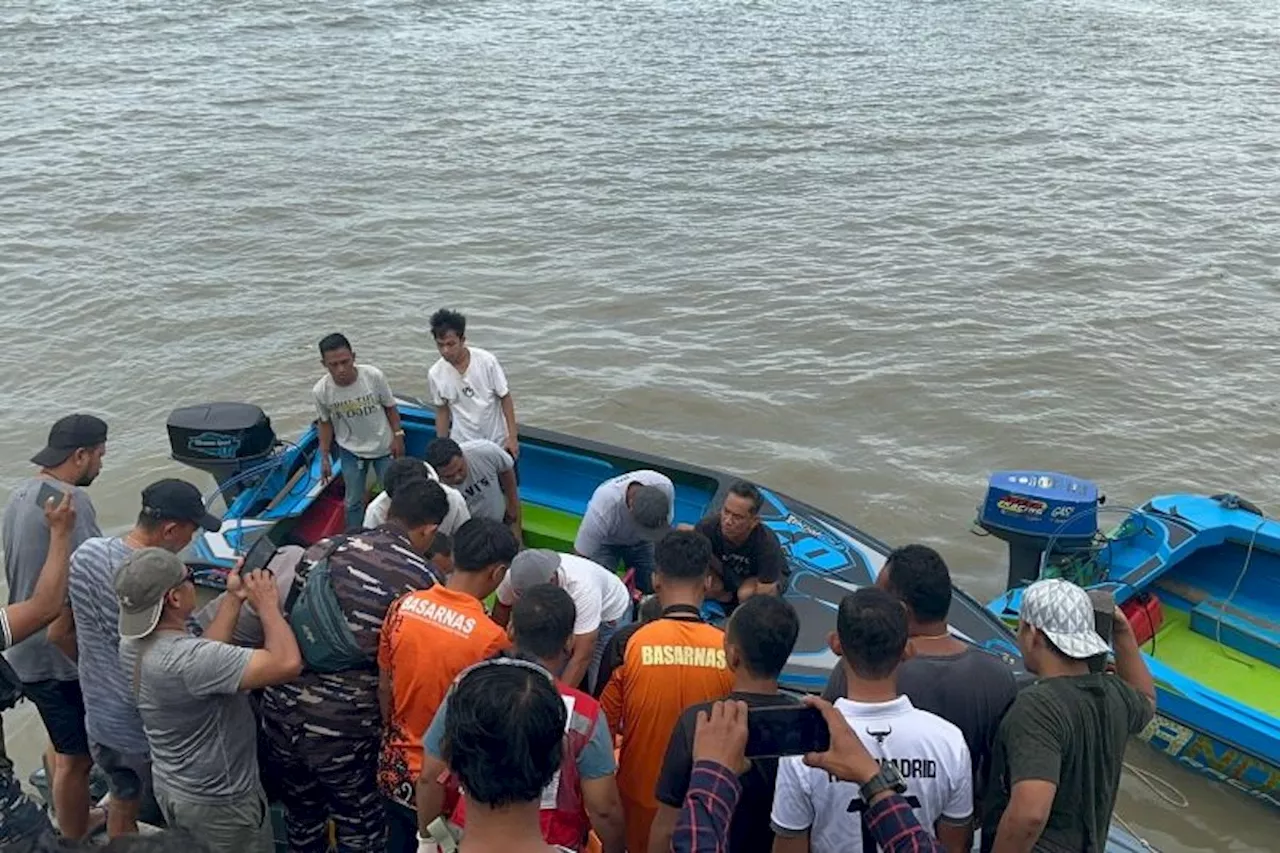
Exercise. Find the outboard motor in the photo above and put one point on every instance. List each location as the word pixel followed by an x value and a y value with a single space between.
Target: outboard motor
pixel 1035 511
pixel 224 440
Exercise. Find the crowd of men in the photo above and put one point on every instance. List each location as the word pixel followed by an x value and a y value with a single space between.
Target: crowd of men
pixel 568 714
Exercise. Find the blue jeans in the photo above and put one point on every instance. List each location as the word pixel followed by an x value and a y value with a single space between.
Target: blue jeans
pixel 638 556
pixel 355 477
pixel 607 630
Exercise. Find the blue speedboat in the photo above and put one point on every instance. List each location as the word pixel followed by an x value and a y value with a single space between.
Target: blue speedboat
pixel 1198 577
pixel 274 488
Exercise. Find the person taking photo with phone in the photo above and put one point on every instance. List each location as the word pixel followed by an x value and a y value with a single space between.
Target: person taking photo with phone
pixel 757 642
pixel 1059 751
pixel 70 461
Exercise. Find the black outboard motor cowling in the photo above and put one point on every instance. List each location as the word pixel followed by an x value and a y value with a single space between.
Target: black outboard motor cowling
pixel 222 439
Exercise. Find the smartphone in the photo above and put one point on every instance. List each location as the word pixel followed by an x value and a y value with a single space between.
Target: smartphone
pixel 1104 612
pixel 48 490
pixel 786 730
pixel 260 553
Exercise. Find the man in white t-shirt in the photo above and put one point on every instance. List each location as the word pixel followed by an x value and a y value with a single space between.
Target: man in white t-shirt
pixel 812 811
pixel 600 599
pixel 625 516
pixel 484 473
pixel 408 468
pixel 356 410
pixel 468 388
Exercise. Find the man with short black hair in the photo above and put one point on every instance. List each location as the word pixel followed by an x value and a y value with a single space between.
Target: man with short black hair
pixel 667 665
pixel 323 731
pixel 70 461
pixel 192 694
pixel 758 640
pixel 586 793
pixel 410 468
pixel 959 682
pixel 812 810
pixel 172 512
pixel 1060 748
pixel 485 475
pixel 429 636
pixel 356 410
pixel 747 558
pixel 469 388
pixel 623 519
pixel 504 742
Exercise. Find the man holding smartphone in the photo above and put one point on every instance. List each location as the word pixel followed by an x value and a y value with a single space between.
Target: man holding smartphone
pixel 70 461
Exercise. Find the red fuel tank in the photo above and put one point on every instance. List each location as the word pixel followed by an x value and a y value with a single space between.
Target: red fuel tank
pixel 1145 615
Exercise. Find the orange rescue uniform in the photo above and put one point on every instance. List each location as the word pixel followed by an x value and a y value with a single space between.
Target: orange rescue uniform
pixel 667 665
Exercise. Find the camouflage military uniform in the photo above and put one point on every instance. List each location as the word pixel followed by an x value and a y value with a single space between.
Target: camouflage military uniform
pixel 322 732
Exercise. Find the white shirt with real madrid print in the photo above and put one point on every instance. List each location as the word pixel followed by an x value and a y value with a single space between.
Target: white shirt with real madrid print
pixel 928 751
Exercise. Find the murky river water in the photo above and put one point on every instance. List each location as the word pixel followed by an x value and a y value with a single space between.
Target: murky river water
pixel 862 251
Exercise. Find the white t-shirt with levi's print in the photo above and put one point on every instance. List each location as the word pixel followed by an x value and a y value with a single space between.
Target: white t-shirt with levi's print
pixel 928 751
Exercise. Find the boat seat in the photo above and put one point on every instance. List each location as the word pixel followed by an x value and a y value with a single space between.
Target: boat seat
pixel 1251 635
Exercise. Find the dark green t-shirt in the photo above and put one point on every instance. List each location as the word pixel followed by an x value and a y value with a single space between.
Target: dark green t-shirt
pixel 1070 731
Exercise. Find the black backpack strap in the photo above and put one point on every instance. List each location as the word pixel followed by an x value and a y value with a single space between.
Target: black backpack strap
pixel 300 577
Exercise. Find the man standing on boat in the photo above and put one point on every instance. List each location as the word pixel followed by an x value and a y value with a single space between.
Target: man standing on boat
pixel 1060 748
pixel 625 516
pixel 746 557
pixel 70 461
pixel 356 410
pixel 469 388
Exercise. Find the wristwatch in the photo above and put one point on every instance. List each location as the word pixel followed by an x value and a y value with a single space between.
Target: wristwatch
pixel 888 779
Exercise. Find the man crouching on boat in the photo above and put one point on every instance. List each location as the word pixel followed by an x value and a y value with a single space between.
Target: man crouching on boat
pixel 746 558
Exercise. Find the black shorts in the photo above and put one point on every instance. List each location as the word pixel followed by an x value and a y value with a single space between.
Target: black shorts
pixel 61 707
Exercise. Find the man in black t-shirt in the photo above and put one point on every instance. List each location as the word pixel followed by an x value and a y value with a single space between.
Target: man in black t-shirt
pixel 758 640
pixel 965 685
pixel 747 559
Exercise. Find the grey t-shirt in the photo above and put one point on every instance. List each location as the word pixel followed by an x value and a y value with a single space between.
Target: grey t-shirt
pixel 483 492
pixel 357 411
pixel 26 545
pixel 111 718
pixel 201 728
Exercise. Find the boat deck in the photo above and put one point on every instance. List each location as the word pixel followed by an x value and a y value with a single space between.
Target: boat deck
pixel 1230 672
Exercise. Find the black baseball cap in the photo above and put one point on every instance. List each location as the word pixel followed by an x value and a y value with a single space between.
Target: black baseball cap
pixel 67 436
pixel 177 500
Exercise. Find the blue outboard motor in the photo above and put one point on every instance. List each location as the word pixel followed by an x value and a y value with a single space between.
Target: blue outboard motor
pixel 1035 511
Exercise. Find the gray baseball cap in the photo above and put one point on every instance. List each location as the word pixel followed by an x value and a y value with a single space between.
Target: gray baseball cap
pixel 651 510
pixel 141 584
pixel 531 567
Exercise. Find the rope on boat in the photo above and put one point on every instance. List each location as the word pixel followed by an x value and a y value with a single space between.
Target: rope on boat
pixel 1222 611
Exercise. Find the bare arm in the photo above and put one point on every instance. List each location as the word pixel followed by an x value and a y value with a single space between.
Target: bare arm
pixel 62 634
pixel 444 420
pixel 397 431
pixel 954 837
pixel 502 614
pixel 512 444
pixel 510 491
pixel 663 827
pixel 791 843
pixel 604 807
pixel 279 660
pixel 223 625
pixel 1130 665
pixel 324 429
pixel 430 793
pixel 50 594
pixel 579 658
pixel 1025 817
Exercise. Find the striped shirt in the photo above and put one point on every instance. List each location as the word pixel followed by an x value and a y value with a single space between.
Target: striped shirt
pixel 111 716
